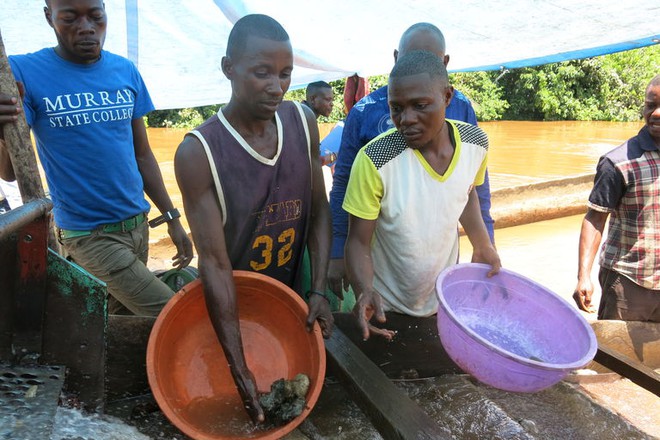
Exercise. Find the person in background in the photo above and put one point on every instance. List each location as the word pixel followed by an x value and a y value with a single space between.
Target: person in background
pixel 319 97
pixel 253 190
pixel 626 189
pixel 92 142
pixel 408 190
pixel 371 117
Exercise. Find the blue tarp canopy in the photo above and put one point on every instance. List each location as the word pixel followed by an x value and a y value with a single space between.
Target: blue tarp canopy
pixel 178 44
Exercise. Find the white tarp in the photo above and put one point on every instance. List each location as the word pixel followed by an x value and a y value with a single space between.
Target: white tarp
pixel 178 44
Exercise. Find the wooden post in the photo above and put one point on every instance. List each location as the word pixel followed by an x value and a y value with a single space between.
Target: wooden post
pixel 17 137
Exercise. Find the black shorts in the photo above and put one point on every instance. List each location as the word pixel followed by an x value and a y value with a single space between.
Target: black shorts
pixel 625 300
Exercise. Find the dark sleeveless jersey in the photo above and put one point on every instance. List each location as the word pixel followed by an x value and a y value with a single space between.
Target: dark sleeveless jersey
pixel 265 203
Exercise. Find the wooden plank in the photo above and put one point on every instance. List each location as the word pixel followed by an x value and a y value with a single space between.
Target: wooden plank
pixel 17 137
pixel 390 410
pixel 639 340
pixel 126 370
pixel 74 329
pixel 627 367
pixel 415 351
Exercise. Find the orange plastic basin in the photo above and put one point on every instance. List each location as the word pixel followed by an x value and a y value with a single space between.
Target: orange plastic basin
pixel 188 371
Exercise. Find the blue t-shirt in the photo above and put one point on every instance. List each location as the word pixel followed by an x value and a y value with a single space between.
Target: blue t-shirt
pixel 330 143
pixel 366 120
pixel 80 115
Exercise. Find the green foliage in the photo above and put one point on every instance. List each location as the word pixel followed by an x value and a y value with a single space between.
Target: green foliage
pixel 630 73
pixel 181 118
pixel 295 95
pixel 377 81
pixel 607 88
pixel 485 93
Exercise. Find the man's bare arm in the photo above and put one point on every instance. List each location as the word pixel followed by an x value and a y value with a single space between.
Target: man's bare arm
pixel 205 219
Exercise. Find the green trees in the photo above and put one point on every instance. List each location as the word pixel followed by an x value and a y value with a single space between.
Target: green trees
pixel 181 118
pixel 605 88
pixel 485 92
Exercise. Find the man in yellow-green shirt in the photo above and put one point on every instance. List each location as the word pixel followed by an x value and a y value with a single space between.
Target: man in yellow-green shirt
pixel 409 188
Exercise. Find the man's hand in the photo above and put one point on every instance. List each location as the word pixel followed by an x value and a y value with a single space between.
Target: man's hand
pixel 10 107
pixel 319 310
pixel 582 295
pixel 488 255
pixel 385 333
pixel 183 244
pixel 368 305
pixel 247 388
pixel 337 280
pixel 9 111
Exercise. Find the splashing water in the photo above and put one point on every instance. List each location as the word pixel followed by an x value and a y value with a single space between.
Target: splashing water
pixel 73 424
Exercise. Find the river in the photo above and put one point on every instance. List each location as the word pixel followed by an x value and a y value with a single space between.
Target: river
pixel 519 152
pixel 523 152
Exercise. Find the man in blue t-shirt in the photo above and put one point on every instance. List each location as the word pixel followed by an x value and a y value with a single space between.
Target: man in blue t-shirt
pixel 371 117
pixel 85 108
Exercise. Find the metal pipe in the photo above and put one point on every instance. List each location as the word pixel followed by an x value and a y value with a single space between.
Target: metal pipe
pixel 14 220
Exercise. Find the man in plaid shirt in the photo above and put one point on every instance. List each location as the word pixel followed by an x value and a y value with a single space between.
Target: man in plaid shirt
pixel 627 187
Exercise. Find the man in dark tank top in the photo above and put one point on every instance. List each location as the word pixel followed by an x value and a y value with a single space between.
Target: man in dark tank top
pixel 253 189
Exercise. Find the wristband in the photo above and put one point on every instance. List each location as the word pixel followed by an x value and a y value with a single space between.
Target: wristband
pixel 316 292
pixel 166 217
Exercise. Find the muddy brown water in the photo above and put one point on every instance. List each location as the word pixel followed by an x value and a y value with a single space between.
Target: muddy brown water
pixel 523 152
pixel 519 151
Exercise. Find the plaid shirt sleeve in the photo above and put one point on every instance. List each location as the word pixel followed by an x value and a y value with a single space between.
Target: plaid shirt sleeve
pixel 609 187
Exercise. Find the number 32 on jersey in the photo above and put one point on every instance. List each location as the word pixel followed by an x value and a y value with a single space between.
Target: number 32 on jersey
pixel 283 251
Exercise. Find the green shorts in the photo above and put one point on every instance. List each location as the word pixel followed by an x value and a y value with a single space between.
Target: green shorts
pixel 119 260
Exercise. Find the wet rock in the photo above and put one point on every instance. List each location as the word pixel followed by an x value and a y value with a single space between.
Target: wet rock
pixel 286 399
pixel 529 426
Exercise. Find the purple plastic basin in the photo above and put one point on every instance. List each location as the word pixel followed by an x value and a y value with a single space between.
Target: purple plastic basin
pixel 508 331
